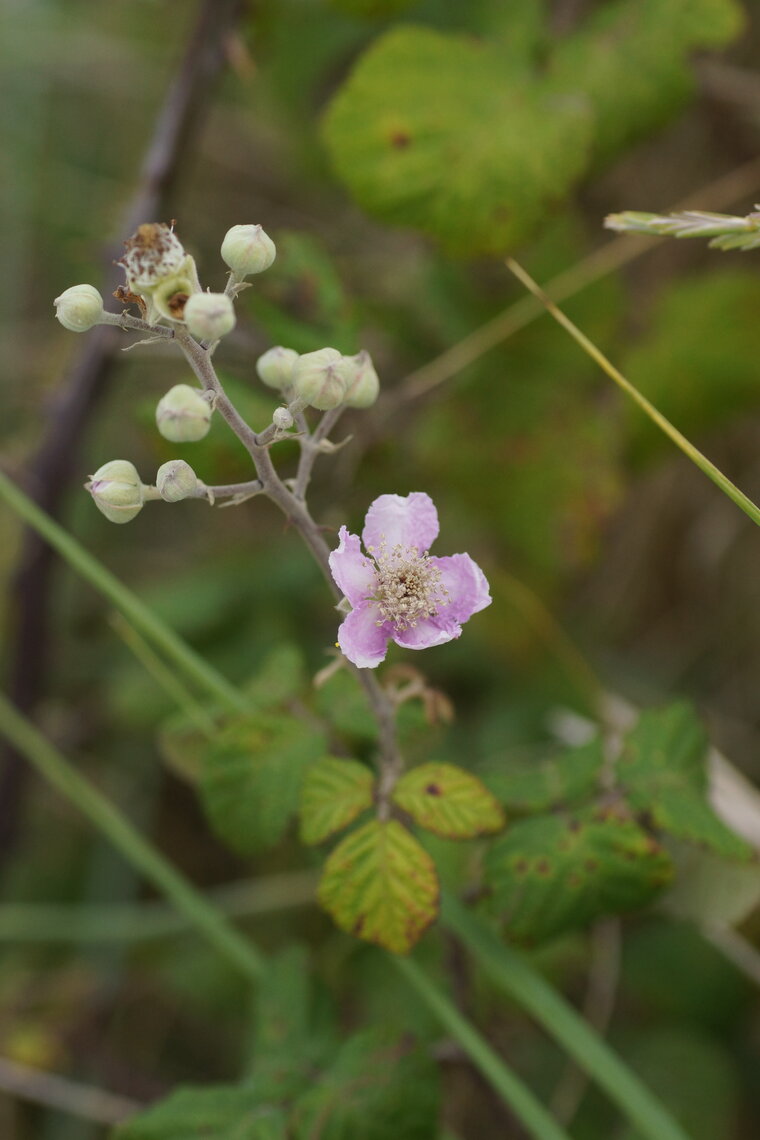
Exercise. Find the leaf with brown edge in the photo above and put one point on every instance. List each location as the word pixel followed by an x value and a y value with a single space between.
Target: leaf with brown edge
pixel 381 885
pixel 449 801
pixel 334 792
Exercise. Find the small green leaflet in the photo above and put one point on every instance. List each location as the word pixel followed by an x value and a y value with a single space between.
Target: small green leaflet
pixel 662 769
pixel 381 885
pixel 333 794
pixel 449 801
pixel 224 1112
pixel 251 778
pixel 551 873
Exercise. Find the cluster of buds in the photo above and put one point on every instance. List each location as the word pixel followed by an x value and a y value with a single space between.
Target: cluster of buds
pixel 162 278
pixel 323 379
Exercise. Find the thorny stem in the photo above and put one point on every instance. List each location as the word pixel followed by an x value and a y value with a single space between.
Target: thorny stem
pixel 295 510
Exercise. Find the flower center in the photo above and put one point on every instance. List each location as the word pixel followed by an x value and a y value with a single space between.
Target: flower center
pixel 409 586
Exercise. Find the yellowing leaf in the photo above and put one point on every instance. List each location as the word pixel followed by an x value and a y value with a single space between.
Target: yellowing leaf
pixel 334 792
pixel 381 885
pixel 448 801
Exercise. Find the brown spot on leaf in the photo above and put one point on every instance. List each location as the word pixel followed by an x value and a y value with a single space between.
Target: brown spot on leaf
pixel 400 140
pixel 433 790
pixel 358 925
pixel 543 866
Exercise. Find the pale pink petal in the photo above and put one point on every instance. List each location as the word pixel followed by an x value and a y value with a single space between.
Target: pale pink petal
pixel 428 632
pixel 401 520
pixel 362 640
pixel 354 573
pixel 466 584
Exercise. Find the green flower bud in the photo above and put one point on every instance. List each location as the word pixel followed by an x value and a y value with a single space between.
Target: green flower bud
pixel 248 250
pixel 117 490
pixel 318 378
pixel 209 316
pixel 183 415
pixel 79 308
pixel 171 295
pixel 153 252
pixel 275 367
pixel 176 480
pixel 363 384
pixel 282 419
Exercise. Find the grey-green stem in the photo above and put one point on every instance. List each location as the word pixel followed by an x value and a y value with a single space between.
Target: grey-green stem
pixel 297 513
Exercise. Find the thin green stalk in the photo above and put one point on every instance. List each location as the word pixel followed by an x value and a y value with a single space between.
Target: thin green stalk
pixel 59 923
pixel 156 668
pixel 125 601
pixel 526 1107
pixel 141 854
pixel 510 971
pixel 701 461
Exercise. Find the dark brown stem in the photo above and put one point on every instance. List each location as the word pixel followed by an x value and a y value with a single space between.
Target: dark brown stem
pixel 49 471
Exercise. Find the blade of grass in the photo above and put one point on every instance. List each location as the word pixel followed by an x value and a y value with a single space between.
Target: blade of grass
pixel 526 1107
pixel 512 973
pixel 701 461
pixel 58 771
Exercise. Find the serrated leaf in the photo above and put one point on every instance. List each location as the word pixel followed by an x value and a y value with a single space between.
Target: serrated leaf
pixel 449 801
pixel 252 775
pixel 431 130
pixel 662 767
pixel 345 704
pixel 224 1112
pixel 560 782
pixel 333 794
pixel 375 1089
pixel 381 885
pixel 550 873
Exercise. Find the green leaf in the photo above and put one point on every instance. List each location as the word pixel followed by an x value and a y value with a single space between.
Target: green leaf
pixel 224 1112
pixel 631 59
pixel 662 768
pixel 560 782
pixel 550 873
pixel 252 775
pixel 430 130
pixel 448 801
pixel 381 885
pixel 375 1090
pixel 333 794
pixel 344 703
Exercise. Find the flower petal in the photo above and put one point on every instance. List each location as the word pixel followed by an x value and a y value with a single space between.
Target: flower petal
pixel 361 639
pixel 428 632
pixel 466 584
pixel 402 520
pixel 354 573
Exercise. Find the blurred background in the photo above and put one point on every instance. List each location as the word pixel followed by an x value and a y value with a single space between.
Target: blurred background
pixel 396 151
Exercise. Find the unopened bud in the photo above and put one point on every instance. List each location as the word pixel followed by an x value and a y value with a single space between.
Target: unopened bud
pixel 318 378
pixel 183 415
pixel 117 490
pixel 79 308
pixel 176 480
pixel 248 250
pixel 282 419
pixel 275 367
pixel 363 384
pixel 209 316
pixel 153 252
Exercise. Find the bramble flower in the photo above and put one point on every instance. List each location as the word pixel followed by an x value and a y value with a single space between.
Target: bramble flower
pixel 397 590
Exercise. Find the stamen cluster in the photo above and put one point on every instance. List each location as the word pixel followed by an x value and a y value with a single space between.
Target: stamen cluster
pixel 409 586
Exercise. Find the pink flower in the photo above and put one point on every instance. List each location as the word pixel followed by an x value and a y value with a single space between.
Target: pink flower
pixel 397 590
